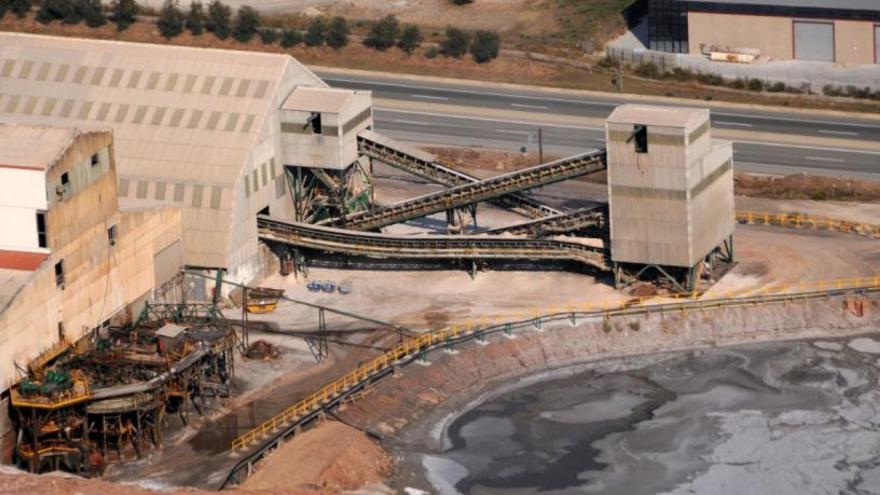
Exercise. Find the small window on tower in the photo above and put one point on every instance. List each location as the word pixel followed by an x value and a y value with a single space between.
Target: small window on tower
pixel 95 160
pixel 640 138
pixel 315 120
pixel 59 274
pixel 42 240
pixel 111 235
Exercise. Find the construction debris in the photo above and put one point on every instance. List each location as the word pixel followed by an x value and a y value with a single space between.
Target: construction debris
pixel 261 349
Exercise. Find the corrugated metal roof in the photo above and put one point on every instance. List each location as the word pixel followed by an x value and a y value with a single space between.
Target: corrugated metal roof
pixel 181 116
pixel 33 147
pixel 658 115
pixel 317 99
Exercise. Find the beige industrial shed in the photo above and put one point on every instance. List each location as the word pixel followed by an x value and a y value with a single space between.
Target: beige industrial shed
pixel 194 128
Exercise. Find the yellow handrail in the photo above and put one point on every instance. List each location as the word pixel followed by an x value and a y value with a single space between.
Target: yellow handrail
pixel 801 221
pixel 415 344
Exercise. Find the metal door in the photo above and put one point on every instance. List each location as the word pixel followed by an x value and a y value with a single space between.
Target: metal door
pixel 814 41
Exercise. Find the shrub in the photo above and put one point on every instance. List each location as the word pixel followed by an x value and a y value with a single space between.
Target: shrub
pixel 856 92
pixel 410 38
pixel 195 18
pixel 290 37
pixel 635 325
pixel 829 90
pixel 711 79
pixel 124 13
pixel 93 13
pixel 680 74
pixel 777 87
pixel 20 7
pixel 755 85
pixel 738 83
pixel 819 195
pixel 456 42
pixel 608 63
pixel 247 22
pixel 432 52
pixel 52 10
pixel 316 34
pixel 384 33
pixel 219 19
pixel 171 19
pixel 337 33
pixel 269 36
pixel 606 325
pixel 648 70
pixel 485 46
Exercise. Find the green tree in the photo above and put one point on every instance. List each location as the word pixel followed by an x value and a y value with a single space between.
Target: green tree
pixel 268 35
pixel 219 19
pixel 485 46
pixel 456 42
pixel 290 37
pixel 52 10
pixel 410 38
pixel 316 34
pixel 124 13
pixel 384 33
pixel 171 19
pixel 20 7
pixel 247 22
pixel 337 33
pixel 195 18
pixel 93 13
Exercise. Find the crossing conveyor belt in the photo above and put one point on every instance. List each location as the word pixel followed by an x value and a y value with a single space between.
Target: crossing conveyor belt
pixel 425 165
pixel 475 192
pixel 429 247
pixel 593 219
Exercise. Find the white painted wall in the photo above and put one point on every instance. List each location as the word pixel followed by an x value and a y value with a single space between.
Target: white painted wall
pixel 22 193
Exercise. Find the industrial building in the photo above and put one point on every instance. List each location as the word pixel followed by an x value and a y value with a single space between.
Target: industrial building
pixel 208 131
pixel 670 190
pixel 841 31
pixel 70 260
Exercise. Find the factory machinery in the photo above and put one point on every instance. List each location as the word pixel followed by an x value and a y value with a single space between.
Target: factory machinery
pixel 110 395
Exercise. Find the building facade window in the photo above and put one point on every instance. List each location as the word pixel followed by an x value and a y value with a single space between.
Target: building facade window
pixel 111 235
pixel 95 160
pixel 59 274
pixel 42 239
pixel 640 138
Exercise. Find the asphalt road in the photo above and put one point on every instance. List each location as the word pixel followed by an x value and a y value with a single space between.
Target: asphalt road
pixel 460 130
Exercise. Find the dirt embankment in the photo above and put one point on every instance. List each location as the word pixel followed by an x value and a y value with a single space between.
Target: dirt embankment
pixel 423 395
pixel 331 457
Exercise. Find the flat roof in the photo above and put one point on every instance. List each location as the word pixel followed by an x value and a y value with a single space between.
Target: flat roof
pixel 658 115
pixel 33 147
pixel 872 5
pixel 310 99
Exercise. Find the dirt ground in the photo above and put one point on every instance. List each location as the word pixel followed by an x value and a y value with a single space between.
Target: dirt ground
pixel 348 460
pixel 803 186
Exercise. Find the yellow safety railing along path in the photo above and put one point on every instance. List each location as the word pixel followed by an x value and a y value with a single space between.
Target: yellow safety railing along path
pixel 419 343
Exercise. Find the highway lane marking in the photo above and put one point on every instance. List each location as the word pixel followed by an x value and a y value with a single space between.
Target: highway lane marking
pixel 842 133
pixel 794 119
pixel 741 124
pixel 510 131
pixel 478 93
pixel 520 105
pixel 486 119
pixel 823 159
pixel 806 147
pixel 611 103
pixel 409 122
pixel 428 97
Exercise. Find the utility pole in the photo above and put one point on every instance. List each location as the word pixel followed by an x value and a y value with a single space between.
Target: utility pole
pixel 540 147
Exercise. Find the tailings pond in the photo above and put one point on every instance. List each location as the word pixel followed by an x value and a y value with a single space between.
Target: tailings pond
pixel 779 418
